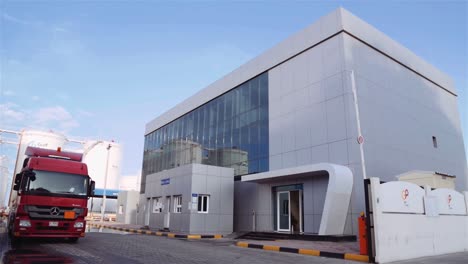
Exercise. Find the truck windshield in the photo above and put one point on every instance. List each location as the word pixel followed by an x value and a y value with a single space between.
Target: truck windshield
pixel 57 183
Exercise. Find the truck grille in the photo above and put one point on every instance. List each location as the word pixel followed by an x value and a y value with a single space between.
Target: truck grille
pixel 50 212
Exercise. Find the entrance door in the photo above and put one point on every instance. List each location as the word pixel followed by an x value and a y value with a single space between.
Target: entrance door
pixel 289 211
pixel 296 210
pixel 284 212
pixel 148 210
pixel 167 216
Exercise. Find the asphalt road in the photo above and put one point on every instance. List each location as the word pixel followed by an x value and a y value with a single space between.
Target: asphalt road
pixel 132 248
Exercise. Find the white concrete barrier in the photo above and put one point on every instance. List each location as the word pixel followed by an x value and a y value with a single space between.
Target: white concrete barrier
pixel 412 222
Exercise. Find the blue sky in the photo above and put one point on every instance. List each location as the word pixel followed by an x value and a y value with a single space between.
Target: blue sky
pixel 103 69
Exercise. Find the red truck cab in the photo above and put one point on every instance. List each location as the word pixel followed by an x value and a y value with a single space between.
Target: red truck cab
pixel 51 196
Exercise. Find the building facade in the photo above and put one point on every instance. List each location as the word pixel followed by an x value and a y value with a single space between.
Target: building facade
pixel 127 206
pixel 304 123
pixel 192 198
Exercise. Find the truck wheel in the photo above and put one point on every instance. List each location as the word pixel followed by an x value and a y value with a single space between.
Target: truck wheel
pixel 73 239
pixel 15 241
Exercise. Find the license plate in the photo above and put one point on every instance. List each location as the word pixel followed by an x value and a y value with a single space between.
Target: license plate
pixel 53 223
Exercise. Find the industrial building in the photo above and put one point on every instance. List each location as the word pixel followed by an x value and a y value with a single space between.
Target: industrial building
pixel 299 127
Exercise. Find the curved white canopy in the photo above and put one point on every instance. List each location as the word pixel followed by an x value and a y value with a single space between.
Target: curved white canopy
pixel 340 186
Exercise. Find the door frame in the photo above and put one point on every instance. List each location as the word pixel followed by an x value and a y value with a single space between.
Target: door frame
pixel 167 215
pixel 148 211
pixel 278 210
pixel 301 214
pixel 299 199
pixel 301 228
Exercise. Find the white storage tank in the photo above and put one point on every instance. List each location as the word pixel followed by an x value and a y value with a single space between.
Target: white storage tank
pixel 96 154
pixel 40 139
pixel 4 180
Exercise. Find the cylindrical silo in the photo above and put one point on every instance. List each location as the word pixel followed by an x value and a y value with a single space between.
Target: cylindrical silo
pixel 98 154
pixel 4 179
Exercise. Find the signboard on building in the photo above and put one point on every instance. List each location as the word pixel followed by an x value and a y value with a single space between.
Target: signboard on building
pixel 194 203
pixel 165 181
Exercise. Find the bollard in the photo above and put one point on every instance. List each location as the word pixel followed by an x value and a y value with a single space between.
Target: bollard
pixel 362 234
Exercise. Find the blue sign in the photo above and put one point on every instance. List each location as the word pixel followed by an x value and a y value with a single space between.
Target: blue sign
pixel 165 181
pixel 194 194
pixel 109 192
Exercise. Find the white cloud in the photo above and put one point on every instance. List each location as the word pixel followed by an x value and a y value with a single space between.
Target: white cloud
pixel 56 115
pixel 18 21
pixel 56 118
pixel 13 19
pixel 10 113
pixel 35 98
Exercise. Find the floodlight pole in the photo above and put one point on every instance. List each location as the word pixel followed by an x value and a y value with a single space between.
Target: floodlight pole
pixel 103 208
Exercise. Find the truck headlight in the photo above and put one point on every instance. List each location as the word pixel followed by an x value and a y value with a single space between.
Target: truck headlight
pixel 25 223
pixel 78 225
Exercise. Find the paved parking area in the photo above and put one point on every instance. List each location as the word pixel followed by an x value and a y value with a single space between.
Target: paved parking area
pixel 456 258
pixel 133 248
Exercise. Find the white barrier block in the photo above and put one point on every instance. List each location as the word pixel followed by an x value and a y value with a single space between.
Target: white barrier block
pixel 401 197
pixel 449 202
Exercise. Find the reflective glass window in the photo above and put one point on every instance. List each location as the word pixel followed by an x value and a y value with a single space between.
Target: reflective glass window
pixel 230 131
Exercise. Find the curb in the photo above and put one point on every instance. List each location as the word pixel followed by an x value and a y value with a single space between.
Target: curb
pixel 164 234
pixel 310 252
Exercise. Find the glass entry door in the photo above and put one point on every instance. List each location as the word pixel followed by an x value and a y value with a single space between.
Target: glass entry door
pixel 284 211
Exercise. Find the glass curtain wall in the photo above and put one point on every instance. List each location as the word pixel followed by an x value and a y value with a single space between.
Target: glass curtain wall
pixel 229 131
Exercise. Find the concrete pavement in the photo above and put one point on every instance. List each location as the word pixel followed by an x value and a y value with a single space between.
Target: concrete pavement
pixel 117 247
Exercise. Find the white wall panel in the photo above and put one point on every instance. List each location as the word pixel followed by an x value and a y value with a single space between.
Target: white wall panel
pixel 333 86
pixel 336 119
pixel 302 129
pixel 304 156
pixel 289 159
pixel 288 139
pixel 316 93
pixel 400 112
pixel 320 154
pixel 318 120
pixel 338 152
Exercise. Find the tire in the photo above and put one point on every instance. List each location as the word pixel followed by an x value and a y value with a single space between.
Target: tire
pixel 15 241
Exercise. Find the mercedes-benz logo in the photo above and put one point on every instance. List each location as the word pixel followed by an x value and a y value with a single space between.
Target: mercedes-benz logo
pixel 54 211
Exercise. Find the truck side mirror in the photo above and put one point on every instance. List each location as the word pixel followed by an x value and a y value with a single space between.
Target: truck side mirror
pixel 91 188
pixel 17 182
pixel 30 174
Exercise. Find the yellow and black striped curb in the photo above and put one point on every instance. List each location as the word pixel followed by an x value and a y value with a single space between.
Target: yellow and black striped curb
pixel 148 232
pixel 310 252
